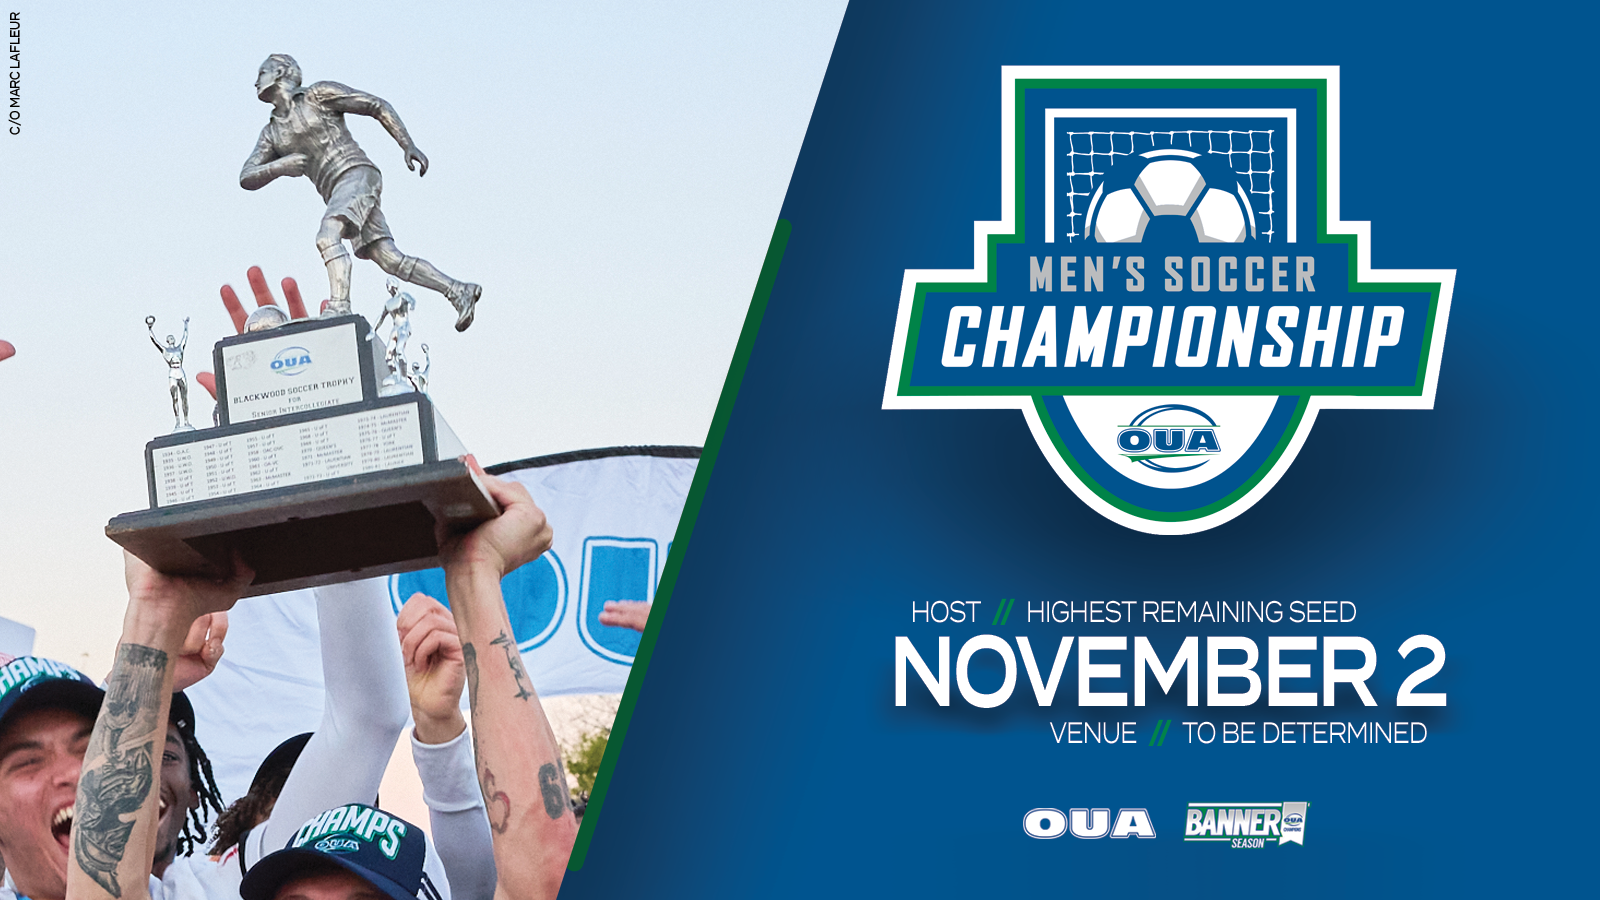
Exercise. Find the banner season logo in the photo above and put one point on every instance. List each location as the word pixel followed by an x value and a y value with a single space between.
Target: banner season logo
pixel 1247 825
pixel 1170 296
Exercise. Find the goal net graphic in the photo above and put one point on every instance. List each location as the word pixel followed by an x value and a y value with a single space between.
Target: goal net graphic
pixel 1082 158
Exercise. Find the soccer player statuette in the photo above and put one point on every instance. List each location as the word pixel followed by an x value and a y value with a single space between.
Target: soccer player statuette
pixel 307 136
pixel 177 384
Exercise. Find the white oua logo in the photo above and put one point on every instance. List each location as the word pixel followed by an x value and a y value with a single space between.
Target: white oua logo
pixel 1046 823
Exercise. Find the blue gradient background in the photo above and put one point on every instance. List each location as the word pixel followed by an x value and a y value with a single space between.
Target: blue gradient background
pixel 766 757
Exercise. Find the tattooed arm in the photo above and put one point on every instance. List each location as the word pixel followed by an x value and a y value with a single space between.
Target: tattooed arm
pixel 114 832
pixel 519 763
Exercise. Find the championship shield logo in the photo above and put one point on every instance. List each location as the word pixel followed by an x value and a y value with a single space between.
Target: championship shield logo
pixel 1170 296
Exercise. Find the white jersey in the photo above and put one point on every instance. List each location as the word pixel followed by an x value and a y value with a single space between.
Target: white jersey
pixel 201 877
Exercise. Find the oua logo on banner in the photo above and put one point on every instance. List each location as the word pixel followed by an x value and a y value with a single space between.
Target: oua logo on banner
pixel 1170 296
pixel 613 514
pixel 536 595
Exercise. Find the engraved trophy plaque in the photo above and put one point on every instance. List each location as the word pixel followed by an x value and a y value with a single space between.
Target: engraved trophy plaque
pixel 317 472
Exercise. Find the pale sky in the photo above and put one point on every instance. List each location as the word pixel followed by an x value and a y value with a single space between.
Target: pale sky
pixel 610 173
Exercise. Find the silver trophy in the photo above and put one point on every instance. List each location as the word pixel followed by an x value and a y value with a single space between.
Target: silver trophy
pixel 307 136
pixel 177 383
pixel 327 461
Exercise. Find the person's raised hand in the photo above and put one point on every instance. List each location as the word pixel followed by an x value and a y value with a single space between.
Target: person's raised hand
pixel 625 614
pixel 505 543
pixel 178 600
pixel 263 297
pixel 202 650
pixel 436 670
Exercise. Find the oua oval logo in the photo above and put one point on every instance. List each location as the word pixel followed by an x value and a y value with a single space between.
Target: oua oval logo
pixel 291 361
pixel 1171 437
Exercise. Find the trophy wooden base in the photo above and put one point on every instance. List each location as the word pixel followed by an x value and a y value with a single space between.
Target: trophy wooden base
pixel 324 532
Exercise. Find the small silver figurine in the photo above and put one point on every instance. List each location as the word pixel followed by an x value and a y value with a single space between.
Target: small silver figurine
pixel 419 373
pixel 397 309
pixel 177 384
pixel 307 136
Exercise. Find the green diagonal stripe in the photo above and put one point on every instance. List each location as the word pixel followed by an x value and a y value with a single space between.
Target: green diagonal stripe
pixel 680 541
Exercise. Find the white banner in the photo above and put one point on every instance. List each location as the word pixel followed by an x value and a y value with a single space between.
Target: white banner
pixel 16 639
pixel 614 513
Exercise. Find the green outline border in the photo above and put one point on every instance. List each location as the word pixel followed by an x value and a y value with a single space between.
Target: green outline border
pixel 905 389
pixel 680 541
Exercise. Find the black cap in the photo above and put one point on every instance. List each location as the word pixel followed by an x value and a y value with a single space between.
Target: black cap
pixel 182 715
pixel 281 759
pixel 385 851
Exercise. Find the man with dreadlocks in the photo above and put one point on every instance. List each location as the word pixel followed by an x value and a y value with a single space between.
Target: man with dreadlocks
pixel 186 784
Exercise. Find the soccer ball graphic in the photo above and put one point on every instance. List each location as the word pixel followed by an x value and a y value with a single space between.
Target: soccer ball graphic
pixel 1170 194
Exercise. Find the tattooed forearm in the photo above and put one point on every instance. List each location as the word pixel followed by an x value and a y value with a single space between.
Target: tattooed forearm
pixel 118 770
pixel 132 696
pixel 514 660
pixel 106 794
pixel 553 786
